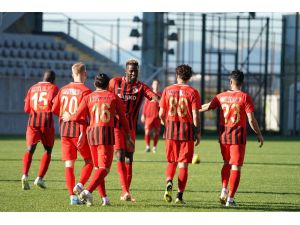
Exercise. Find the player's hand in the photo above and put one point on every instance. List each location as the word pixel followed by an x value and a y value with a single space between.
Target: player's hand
pixel 197 138
pixel 156 98
pixel 260 139
pixel 129 142
pixel 81 140
pixel 66 117
pixel 143 119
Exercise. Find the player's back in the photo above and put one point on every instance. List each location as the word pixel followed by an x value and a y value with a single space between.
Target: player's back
pixel 101 109
pixel 68 100
pixel 233 115
pixel 234 105
pixel 102 106
pixel 38 103
pixel 178 101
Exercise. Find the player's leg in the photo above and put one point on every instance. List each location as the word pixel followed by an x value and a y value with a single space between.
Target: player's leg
pixel 27 159
pixel 105 157
pixel 172 156
pixel 237 154
pixel 225 172
pixel 155 140
pixel 32 138
pixel 47 138
pixel 129 164
pixel 87 168
pixel 120 148
pixel 182 181
pixel 186 152
pixel 156 129
pixel 69 155
pixel 122 172
pixel 147 138
pixel 101 187
pixel 44 165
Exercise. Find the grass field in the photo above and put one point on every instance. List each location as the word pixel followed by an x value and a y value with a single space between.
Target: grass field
pixel 270 180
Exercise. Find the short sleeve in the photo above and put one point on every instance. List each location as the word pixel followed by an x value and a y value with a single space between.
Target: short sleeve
pixel 111 85
pixel 162 103
pixel 249 105
pixel 214 103
pixel 148 92
pixel 196 101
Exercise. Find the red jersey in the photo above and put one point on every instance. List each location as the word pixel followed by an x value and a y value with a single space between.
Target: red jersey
pixel 101 106
pixel 38 103
pixel 68 100
pixel 132 96
pixel 178 101
pixel 233 115
pixel 151 109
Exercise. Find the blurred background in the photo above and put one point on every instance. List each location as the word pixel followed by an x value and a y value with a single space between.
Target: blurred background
pixel 264 46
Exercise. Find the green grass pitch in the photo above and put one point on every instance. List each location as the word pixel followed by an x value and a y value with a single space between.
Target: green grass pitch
pixel 270 180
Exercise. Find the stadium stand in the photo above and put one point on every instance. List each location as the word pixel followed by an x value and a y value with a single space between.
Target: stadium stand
pixel 26 52
pixel 35 53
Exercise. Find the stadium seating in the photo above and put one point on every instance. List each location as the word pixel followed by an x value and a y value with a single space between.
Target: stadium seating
pixel 29 55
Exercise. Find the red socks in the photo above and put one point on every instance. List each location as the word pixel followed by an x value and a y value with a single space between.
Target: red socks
pixel 27 159
pixel 101 189
pixel 70 179
pixel 147 139
pixel 122 175
pixel 170 171
pixel 182 179
pixel 45 161
pixel 225 174
pixel 155 139
pixel 98 177
pixel 234 182
pixel 129 174
pixel 85 173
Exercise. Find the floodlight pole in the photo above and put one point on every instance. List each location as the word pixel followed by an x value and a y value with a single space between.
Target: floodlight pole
pixel 266 73
pixel 296 74
pixel 203 49
pixel 118 40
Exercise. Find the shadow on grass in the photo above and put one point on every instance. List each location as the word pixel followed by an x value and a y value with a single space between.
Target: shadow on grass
pixel 162 161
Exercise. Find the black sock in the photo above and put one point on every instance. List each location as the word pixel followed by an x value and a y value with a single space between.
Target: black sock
pixel 179 195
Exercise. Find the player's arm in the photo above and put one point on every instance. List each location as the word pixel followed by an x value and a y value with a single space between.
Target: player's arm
pixel 162 116
pixel 27 102
pixel 254 126
pixel 197 128
pixel 123 119
pixel 56 105
pixel 156 98
pixel 79 114
pixel 144 110
pixel 205 107
pixel 162 111
pixel 196 106
pixel 215 103
pixel 149 94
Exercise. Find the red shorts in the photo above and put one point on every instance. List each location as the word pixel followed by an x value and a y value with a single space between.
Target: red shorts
pixel 120 140
pixel 69 149
pixel 102 155
pixel 179 151
pixel 152 124
pixel 36 134
pixel 234 154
